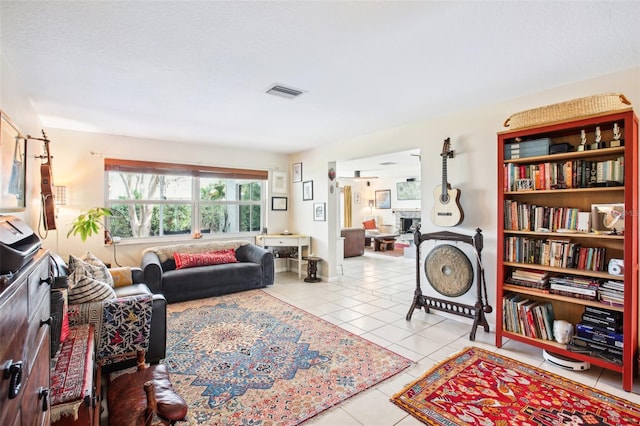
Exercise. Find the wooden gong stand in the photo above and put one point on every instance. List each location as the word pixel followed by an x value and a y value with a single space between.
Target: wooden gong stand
pixel 427 302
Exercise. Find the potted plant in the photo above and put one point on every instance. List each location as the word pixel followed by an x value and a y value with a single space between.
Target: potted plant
pixel 89 223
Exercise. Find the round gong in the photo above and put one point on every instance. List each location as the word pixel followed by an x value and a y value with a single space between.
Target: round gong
pixel 448 270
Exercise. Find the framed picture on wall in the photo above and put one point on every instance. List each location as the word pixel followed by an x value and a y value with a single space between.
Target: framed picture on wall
pixel 278 203
pixel 13 166
pixel 319 212
pixel 297 172
pixel 279 182
pixel 383 199
pixel 307 190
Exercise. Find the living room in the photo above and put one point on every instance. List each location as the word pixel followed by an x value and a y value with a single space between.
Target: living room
pixel 79 149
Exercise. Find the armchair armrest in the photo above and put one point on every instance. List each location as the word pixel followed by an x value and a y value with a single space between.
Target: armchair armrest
pixel 122 325
pixel 152 272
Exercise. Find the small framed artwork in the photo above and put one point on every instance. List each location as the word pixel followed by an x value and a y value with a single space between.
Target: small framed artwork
pixel 278 203
pixel 279 182
pixel 297 172
pixel 319 214
pixel 383 199
pixel 307 190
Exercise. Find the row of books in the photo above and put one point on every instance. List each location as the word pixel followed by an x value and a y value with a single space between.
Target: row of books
pixel 577 287
pixel 553 252
pixel 600 333
pixel 565 174
pixel 612 293
pixel 519 216
pixel 532 148
pixel 527 317
pixel 528 278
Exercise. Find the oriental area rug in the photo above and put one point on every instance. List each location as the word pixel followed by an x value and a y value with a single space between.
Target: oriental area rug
pixel 249 358
pixel 477 387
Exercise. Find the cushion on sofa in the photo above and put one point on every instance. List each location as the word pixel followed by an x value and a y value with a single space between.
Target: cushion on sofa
pixel 369 224
pixel 165 253
pixel 84 288
pixel 121 276
pixel 190 260
pixel 94 266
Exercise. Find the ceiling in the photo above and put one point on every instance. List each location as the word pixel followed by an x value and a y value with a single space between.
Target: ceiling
pixel 197 71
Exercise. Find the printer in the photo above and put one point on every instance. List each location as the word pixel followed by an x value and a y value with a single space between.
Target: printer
pixel 18 244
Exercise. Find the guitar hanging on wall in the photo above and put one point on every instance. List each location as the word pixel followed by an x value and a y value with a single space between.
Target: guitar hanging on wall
pixel 46 186
pixel 446 206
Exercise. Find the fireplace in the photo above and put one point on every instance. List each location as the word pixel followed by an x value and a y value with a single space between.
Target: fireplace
pixel 408 224
pixel 407 220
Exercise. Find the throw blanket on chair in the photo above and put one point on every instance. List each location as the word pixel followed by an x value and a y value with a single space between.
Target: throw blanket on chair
pixel 122 326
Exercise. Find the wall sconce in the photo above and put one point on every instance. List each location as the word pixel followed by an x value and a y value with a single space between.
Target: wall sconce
pixel 371 206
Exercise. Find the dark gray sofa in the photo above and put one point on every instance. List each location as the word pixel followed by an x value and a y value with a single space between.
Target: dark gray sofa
pixel 254 269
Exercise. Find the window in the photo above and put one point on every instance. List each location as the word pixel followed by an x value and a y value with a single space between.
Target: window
pixel 161 199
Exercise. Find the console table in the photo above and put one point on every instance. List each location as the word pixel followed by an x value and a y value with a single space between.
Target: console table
pixel 290 240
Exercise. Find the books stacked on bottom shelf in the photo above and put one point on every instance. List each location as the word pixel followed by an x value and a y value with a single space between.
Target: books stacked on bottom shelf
pixel 528 317
pixel 599 334
pixel 531 279
pixel 578 287
pixel 612 293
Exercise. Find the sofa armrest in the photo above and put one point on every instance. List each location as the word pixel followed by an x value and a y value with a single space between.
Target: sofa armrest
pixel 137 275
pixel 152 272
pixel 259 255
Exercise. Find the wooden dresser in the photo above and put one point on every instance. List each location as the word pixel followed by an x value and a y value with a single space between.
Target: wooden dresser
pixel 25 344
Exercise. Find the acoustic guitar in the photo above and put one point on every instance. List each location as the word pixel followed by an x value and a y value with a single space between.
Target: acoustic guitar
pixel 446 206
pixel 46 188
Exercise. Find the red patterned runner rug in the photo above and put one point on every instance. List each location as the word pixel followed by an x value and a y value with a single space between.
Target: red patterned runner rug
pixel 478 387
pixel 249 358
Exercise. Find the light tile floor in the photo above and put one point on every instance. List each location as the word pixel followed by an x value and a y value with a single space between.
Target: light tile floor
pixel 371 300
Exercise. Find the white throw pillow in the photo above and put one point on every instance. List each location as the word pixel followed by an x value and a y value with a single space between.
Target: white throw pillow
pixel 84 288
pixel 94 266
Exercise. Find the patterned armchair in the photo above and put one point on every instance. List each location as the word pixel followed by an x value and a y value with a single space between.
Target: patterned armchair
pixel 133 321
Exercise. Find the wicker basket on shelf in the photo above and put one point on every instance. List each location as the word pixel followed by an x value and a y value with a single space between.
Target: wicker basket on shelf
pixel 569 110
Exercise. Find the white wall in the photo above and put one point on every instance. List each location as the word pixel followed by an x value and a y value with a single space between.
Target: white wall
pixel 17 106
pixel 78 164
pixel 473 169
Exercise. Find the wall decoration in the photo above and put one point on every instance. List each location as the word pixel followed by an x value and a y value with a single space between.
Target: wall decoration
pixel 279 182
pixel 307 190
pixel 356 198
pixel 319 212
pixel 408 190
pixel 297 172
pixel 332 174
pixel 383 199
pixel 13 166
pixel 278 203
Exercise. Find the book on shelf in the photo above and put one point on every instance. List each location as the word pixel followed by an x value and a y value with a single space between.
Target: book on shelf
pixel 606 314
pixel 528 317
pixel 601 350
pixel 600 335
pixel 614 326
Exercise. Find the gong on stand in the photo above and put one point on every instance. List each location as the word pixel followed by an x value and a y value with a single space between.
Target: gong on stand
pixel 450 273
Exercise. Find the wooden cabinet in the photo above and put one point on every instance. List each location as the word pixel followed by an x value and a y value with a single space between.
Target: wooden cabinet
pixel 24 352
pixel 541 200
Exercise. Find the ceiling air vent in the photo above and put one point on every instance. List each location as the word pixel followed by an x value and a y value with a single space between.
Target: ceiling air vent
pixel 283 91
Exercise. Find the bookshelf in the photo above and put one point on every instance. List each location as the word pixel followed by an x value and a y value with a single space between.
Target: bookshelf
pixel 550 225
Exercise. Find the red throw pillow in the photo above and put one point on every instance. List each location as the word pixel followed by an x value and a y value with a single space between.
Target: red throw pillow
pixel 369 224
pixel 189 260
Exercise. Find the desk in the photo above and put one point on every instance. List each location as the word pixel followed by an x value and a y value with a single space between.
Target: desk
pixel 292 240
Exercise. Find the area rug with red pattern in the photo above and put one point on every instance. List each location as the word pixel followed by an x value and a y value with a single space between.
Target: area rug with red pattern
pixel 251 359
pixel 477 387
